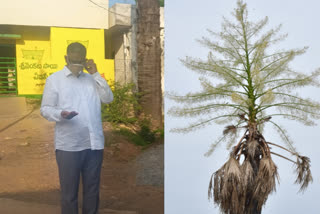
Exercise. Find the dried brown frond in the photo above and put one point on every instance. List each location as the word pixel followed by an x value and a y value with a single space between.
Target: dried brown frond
pixel 235 200
pixel 265 181
pixel 247 174
pixel 252 148
pixel 230 129
pixel 232 176
pixel 210 188
pixel 227 187
pixel 216 188
pixel 247 183
pixel 304 176
pixel 218 185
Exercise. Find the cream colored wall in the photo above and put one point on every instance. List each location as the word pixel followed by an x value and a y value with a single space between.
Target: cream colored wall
pixel 61 13
pixel 120 14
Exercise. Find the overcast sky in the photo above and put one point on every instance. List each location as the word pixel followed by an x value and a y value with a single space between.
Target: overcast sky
pixel 187 171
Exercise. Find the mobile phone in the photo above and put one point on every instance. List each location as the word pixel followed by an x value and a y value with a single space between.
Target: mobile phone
pixel 71 115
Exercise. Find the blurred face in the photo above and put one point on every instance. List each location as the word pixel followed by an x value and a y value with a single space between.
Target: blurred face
pixel 75 62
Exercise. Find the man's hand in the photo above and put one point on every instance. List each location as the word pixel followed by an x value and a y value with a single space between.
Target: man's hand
pixel 90 66
pixel 68 115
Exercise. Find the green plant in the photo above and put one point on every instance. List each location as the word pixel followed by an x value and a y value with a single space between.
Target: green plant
pixel 132 136
pixel 125 105
pixel 143 135
pixel 124 109
pixel 136 138
pixel 145 131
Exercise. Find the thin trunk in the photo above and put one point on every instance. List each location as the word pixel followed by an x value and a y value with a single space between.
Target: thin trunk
pixel 255 165
pixel 149 59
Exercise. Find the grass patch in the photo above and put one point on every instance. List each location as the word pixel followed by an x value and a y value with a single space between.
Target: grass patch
pixel 139 139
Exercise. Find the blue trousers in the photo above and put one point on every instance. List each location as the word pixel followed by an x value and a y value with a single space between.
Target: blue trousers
pixel 71 165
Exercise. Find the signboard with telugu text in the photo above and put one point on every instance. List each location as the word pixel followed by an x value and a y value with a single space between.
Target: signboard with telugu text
pixel 34 65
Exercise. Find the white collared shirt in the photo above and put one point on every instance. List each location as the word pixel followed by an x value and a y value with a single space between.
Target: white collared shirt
pixel 65 92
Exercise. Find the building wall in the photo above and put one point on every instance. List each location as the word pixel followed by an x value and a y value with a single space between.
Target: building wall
pixel 117 47
pixel 61 13
pixel 120 29
pixel 37 59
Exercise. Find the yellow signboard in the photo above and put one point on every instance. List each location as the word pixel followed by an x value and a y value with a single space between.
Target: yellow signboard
pixel 34 65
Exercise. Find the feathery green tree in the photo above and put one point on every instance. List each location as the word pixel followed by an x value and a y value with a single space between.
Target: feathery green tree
pixel 253 82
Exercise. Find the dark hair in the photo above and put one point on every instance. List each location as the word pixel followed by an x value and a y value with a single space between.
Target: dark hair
pixel 76 47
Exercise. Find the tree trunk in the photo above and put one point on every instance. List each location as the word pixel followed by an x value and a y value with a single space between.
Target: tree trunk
pixel 253 135
pixel 149 59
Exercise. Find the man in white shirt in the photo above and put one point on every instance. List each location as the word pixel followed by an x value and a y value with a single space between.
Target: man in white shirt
pixel 72 99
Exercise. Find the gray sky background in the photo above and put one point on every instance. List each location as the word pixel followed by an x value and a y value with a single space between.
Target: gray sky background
pixel 187 171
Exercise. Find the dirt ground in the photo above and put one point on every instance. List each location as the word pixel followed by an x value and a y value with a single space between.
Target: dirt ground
pixel 28 170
